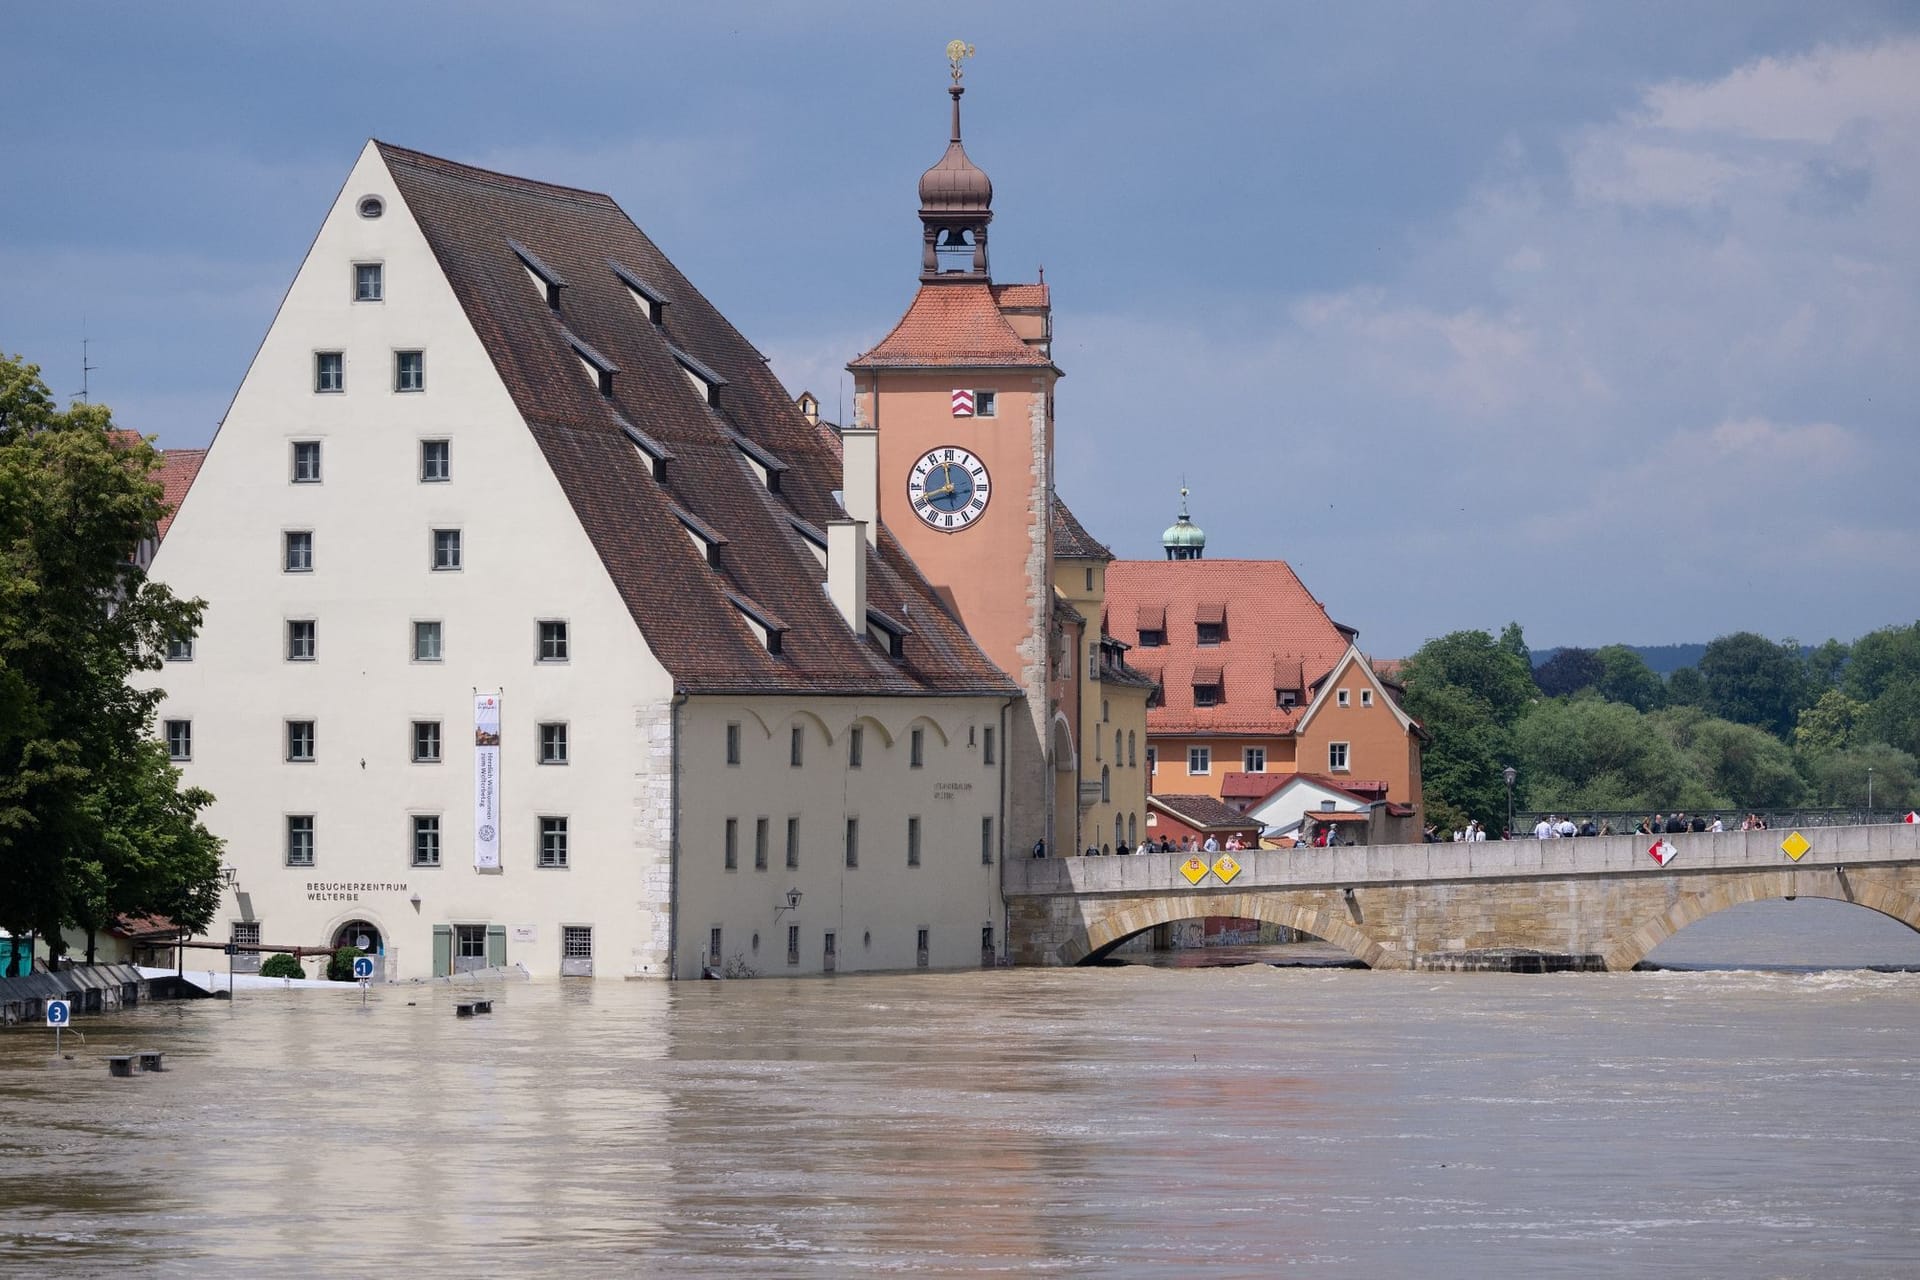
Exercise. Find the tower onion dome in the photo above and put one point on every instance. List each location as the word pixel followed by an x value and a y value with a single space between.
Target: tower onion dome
pixel 1184 540
pixel 956 184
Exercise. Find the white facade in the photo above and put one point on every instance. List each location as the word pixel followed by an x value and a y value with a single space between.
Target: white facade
pixel 642 768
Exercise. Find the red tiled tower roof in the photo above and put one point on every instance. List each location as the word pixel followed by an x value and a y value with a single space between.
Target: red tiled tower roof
pixel 952 324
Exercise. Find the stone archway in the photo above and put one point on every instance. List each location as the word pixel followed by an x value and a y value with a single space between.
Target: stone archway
pixel 1833 885
pixel 1135 916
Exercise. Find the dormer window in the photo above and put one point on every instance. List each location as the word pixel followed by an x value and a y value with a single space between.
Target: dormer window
pixel 1153 639
pixel 655 454
pixel 1284 698
pixel 706 539
pixel 764 464
pixel 652 303
pixel 770 630
pixel 600 370
pixel 1208 687
pixel 545 278
pixel 1210 623
pixel 706 383
pixel 886 632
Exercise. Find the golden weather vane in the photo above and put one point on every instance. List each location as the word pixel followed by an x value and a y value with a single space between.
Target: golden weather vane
pixel 958 51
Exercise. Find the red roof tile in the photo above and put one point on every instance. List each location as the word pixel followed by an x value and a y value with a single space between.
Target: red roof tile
pixel 1273 625
pixel 178 467
pixel 1202 813
pixel 952 325
pixel 1071 541
pixel 1021 295
pixel 682 604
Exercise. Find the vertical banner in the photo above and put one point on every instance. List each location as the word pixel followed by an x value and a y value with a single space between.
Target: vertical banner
pixel 486 781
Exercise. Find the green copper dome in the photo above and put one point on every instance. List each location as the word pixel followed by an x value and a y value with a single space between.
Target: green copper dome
pixel 1184 540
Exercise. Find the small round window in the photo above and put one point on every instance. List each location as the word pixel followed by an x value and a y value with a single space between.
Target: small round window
pixel 372 206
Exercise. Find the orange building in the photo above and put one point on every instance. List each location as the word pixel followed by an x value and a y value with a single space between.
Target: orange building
pixel 1254 676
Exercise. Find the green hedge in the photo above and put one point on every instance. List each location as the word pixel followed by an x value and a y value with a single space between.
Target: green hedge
pixel 281 965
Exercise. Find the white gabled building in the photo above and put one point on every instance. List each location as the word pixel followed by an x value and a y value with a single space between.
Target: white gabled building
pixel 496 446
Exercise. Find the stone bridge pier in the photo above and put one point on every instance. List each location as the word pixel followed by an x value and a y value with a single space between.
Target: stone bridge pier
pixel 1602 901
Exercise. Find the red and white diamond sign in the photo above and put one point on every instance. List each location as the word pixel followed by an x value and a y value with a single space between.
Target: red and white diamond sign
pixel 1662 852
pixel 1911 816
pixel 962 403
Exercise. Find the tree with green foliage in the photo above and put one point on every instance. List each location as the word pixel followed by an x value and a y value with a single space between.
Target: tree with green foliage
pixel 340 964
pixel 1828 725
pixel 1586 754
pixel 1881 658
pixel 1568 672
pixel 1893 717
pixel 1462 760
pixel 1734 764
pixel 1488 669
pixel 1839 778
pixel 1626 677
pixel 1752 680
pixel 92 821
pixel 1826 667
pixel 1686 688
pixel 281 965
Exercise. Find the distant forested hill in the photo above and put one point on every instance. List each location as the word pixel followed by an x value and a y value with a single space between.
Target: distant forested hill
pixel 1664 659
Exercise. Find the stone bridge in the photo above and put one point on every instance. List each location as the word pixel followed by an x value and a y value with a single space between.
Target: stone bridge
pixel 1600 900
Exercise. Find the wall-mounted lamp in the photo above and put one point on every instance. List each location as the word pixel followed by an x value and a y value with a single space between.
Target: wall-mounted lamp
pixel 229 876
pixel 793 901
pixel 1348 891
pixel 415 900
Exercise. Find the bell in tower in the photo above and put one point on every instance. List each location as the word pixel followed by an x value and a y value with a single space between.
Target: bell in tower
pixel 956 201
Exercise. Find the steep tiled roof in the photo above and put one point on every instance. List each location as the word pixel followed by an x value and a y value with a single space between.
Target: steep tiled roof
pixel 1202 813
pixel 683 605
pixel 952 325
pixel 1272 624
pixel 1071 541
pixel 1021 295
pixel 178 467
pixel 1252 789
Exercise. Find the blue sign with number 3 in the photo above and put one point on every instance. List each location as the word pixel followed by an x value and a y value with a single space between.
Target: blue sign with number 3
pixel 59 1013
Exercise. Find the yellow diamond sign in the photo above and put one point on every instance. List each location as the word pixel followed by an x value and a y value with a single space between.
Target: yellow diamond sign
pixel 1795 845
pixel 1226 868
pixel 1194 870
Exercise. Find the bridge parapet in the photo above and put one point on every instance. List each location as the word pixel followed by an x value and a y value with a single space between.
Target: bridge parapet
pixel 1357 866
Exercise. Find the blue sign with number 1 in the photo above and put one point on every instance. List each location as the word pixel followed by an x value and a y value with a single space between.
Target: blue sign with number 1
pixel 59 1013
pixel 363 967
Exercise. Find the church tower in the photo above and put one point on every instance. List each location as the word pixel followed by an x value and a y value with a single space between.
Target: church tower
pixel 954 407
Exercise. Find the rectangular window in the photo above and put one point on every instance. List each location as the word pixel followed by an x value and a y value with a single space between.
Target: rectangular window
pixel 302 738
pixel 796 745
pixel 1341 698
pixel 299 839
pixel 853 842
pixel 329 371
pixel 297 546
pixel 1337 756
pixel 426 642
pixel 246 933
pixel 576 942
pixel 1254 759
pixel 733 844
pixel 179 739
pixel 426 742
pixel 713 946
pixel 920 946
pixel 1206 695
pixel 1284 698
pixel 1210 633
pixel 553 642
pixel 180 650
pixel 1153 759
pixel 306 462
pixel 916 748
pixel 913 842
pixel 986 404
pixel 986 842
pixel 303 640
pixel 760 833
pixel 553 842
pixel 793 844
pixel 793 944
pixel 733 742
pixel 426 839
pixel 367 282
pixel 436 461
pixel 446 550
pixel 986 746
pixel 409 371
pixel 1366 697
pixel 553 742
pixel 1153 639
pixel 1199 760
pixel 856 746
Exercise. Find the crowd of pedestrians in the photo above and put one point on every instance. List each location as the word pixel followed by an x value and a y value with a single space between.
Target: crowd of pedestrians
pixel 1187 844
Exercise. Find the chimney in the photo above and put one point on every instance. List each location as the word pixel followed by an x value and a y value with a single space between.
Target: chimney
pixel 860 477
pixel 847 571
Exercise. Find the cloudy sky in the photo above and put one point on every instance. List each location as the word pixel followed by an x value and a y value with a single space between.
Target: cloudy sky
pixel 1601 317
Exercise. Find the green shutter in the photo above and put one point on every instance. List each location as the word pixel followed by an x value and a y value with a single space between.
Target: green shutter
pixel 442 950
pixel 497 945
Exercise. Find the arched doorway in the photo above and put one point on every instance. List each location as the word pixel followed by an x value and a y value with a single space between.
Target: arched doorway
pixel 362 934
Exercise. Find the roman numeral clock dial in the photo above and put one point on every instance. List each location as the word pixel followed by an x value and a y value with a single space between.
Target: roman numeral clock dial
pixel 948 488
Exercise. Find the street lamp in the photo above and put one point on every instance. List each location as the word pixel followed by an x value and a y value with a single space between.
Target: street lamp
pixel 1869 793
pixel 1509 773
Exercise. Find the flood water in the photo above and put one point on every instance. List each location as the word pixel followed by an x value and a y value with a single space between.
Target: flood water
pixel 1245 1121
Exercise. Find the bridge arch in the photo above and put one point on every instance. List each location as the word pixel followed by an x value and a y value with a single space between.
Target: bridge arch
pixel 1096 937
pixel 1783 885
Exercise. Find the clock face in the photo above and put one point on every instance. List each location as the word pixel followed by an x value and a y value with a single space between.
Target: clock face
pixel 948 488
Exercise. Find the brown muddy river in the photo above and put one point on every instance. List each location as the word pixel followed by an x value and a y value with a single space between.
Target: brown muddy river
pixel 1244 1121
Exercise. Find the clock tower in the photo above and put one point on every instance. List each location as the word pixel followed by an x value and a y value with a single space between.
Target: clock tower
pixel 955 406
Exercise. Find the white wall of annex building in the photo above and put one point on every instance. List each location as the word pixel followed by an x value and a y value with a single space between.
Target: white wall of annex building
pixel 875 910
pixel 525 558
